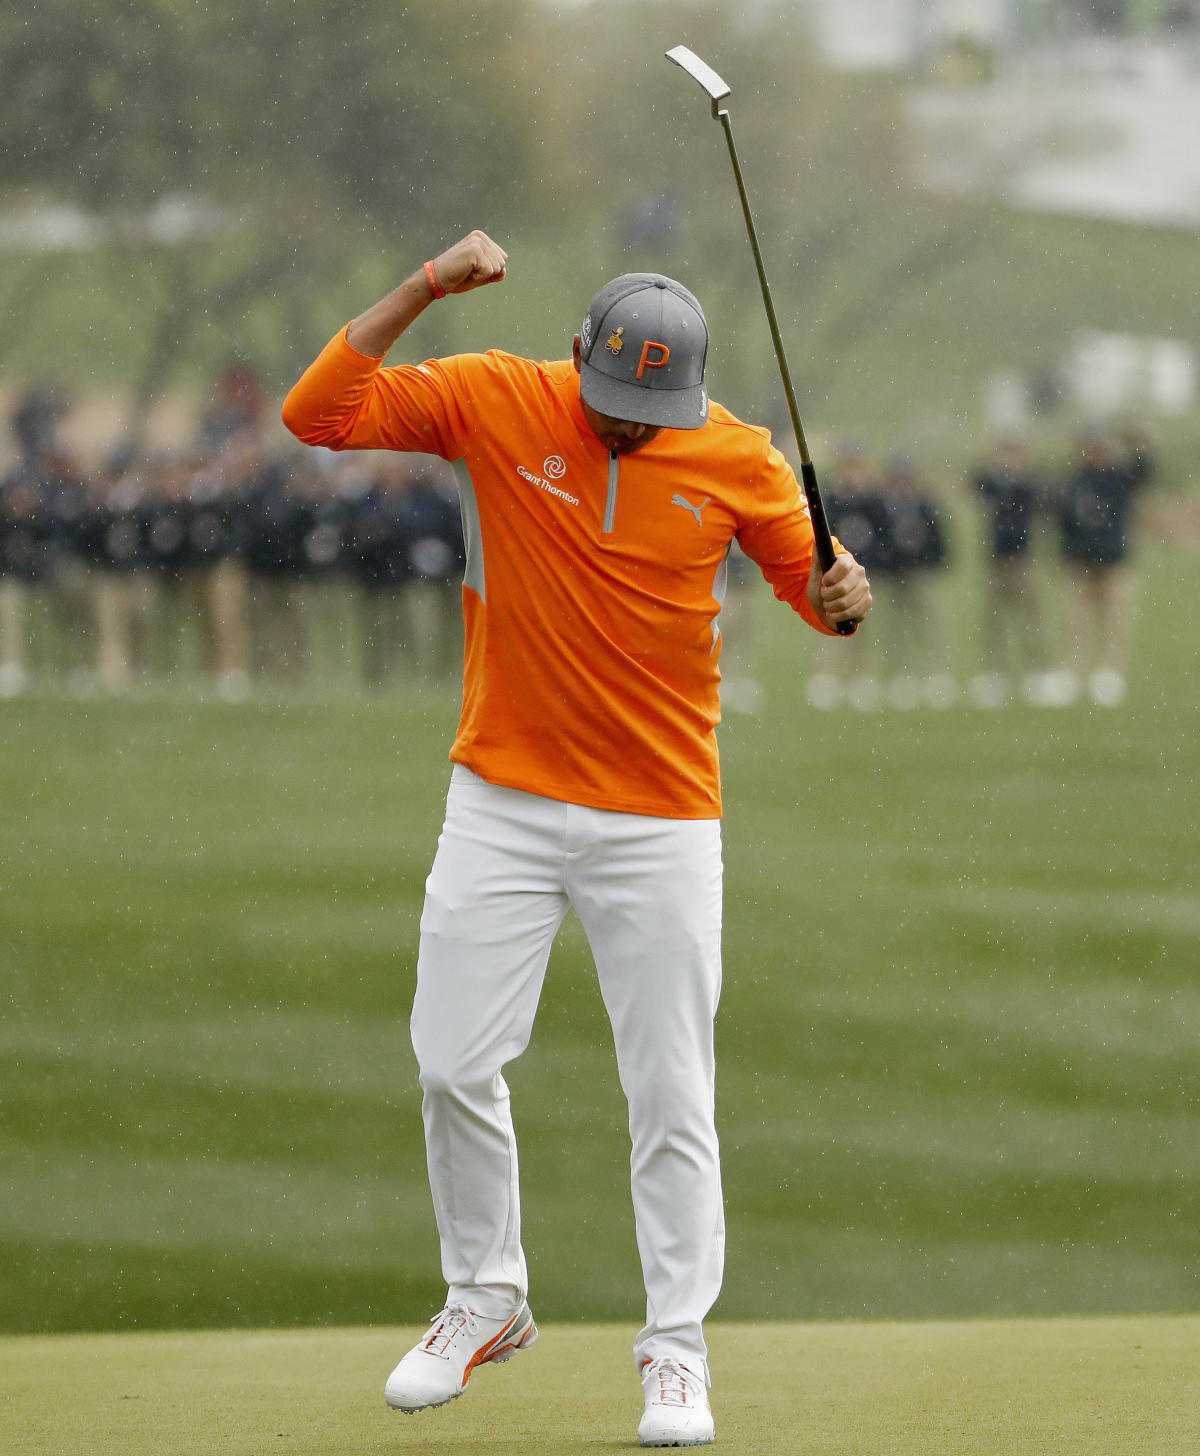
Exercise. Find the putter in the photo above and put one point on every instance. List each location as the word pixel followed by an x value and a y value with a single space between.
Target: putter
pixel 717 91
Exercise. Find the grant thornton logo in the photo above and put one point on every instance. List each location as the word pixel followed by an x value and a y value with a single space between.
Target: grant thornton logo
pixel 555 466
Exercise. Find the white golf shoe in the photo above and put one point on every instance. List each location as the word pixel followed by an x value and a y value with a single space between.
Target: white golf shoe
pixel 438 1369
pixel 677 1408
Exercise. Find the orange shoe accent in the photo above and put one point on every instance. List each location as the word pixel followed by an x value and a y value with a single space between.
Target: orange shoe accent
pixel 497 1350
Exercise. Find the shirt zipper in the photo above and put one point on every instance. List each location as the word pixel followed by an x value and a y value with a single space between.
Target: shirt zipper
pixel 610 507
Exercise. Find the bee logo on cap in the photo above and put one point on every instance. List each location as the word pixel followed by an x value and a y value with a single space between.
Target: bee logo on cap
pixel 616 340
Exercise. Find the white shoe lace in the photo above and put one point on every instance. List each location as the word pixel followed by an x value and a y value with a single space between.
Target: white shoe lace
pixel 454 1320
pixel 673 1383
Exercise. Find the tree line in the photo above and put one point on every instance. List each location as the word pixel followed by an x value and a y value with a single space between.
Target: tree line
pixel 334 141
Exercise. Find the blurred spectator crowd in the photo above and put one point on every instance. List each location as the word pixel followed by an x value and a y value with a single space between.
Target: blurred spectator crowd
pixel 224 562
pixel 1056 599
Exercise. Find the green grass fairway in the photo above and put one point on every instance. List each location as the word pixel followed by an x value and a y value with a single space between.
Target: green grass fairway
pixel 1115 1387
pixel 957 1042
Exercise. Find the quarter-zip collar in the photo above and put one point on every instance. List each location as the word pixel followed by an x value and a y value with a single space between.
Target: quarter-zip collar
pixel 610 504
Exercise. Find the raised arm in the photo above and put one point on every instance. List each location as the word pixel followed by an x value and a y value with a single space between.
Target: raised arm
pixel 347 400
pixel 470 263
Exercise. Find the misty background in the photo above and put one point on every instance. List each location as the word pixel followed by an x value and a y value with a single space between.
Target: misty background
pixel 976 215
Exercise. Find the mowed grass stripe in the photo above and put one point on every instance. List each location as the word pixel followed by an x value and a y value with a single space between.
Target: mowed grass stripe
pixel 1071 1387
pixel 956 1043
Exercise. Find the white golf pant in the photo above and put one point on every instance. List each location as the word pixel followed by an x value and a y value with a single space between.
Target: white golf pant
pixel 648 893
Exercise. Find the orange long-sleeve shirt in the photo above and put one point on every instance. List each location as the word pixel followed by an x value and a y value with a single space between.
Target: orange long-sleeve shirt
pixel 593 582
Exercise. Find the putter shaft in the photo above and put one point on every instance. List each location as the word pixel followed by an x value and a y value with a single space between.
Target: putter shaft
pixel 717 91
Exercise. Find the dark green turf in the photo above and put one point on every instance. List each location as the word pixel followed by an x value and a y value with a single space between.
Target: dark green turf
pixel 957 1039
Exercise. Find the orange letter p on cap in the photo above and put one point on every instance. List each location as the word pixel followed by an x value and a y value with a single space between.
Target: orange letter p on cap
pixel 645 362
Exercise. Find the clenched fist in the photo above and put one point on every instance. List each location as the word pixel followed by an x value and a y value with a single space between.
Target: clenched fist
pixel 470 263
pixel 467 264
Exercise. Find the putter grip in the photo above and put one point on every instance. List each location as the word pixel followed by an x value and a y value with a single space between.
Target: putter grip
pixel 826 555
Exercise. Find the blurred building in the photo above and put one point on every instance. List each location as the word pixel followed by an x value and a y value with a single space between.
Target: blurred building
pixel 1084 108
pixel 964 39
pixel 1087 107
pixel 901 35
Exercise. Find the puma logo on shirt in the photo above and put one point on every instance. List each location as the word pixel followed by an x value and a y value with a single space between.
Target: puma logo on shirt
pixel 679 500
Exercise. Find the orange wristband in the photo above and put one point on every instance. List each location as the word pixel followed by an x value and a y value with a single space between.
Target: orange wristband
pixel 431 276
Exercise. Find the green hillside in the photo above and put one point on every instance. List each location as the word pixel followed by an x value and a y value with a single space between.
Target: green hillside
pixel 894 340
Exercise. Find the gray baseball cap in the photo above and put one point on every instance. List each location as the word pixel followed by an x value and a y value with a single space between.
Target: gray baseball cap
pixel 643 345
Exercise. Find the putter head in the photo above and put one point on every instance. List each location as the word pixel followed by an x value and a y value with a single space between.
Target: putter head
pixel 690 62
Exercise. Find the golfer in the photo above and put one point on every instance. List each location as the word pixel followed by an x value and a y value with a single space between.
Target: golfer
pixel 600 497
